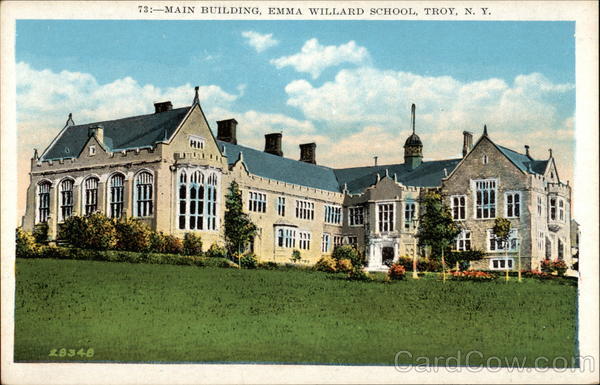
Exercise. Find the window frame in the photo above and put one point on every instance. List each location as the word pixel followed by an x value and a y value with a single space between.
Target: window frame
pixel 332 214
pixel 518 204
pixel 42 214
pixel 119 191
pixel 257 201
pixel 512 241
pixel 409 215
pixel 326 243
pixel 507 261
pixel 463 240
pixel 390 219
pixel 463 206
pixel 86 205
pixel 356 216
pixel 69 194
pixel 483 206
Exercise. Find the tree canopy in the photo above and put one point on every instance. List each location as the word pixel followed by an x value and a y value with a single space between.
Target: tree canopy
pixel 437 229
pixel 239 229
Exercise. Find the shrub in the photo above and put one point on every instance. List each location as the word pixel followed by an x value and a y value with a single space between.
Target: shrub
pixel 296 256
pixel 269 265
pixel 429 265
pixel 216 251
pixel 248 261
pixel 546 266
pixel 326 264
pixel 165 243
pixel 348 252
pixel 396 272
pixel 537 274
pixel 557 266
pixel 26 247
pixel 192 244
pixel 135 235
pixel 472 275
pixel 40 232
pixel 406 262
pixel 344 266
pixel 100 232
pixel 73 231
pixel 358 274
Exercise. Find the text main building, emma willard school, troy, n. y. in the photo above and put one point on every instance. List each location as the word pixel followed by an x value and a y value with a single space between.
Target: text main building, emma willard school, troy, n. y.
pixel 169 170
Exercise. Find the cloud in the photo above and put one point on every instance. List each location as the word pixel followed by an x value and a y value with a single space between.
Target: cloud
pixel 313 58
pixel 260 42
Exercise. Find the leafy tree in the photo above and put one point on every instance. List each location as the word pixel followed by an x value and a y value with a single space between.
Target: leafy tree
pixel 501 231
pixel 239 229
pixel 437 229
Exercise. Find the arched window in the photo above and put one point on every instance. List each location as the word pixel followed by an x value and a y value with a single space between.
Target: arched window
pixel 182 199
pixel 90 192
pixel 196 201
pixel 43 201
pixel 143 194
pixel 115 195
pixel 66 199
pixel 211 202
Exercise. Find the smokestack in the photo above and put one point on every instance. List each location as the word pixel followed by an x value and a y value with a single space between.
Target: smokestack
pixel 467 142
pixel 375 159
pixel 226 130
pixel 162 107
pixel 273 143
pixel 527 151
pixel 308 153
pixel 98 131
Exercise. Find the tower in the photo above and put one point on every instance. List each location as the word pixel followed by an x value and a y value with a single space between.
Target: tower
pixel 413 147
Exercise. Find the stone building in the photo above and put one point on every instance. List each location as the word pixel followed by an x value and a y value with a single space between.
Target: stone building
pixel 168 169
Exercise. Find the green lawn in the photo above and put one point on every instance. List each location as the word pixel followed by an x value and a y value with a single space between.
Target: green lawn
pixel 138 312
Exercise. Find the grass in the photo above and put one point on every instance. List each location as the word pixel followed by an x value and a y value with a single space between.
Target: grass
pixel 161 313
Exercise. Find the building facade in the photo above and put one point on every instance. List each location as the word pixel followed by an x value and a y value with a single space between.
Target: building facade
pixel 169 170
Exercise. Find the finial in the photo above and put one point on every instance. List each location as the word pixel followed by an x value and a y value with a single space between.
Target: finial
pixel 196 97
pixel 412 117
pixel 527 151
pixel 395 177
pixel 70 121
pixel 550 151
pixel 387 174
pixel 241 156
pixel 345 190
pixel 224 150
pixel 485 130
pixel 165 139
pixel 378 177
pixel 35 154
pixel 445 172
pixel 375 158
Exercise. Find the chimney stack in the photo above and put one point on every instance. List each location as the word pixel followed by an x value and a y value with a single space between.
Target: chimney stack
pixel 273 143
pixel 162 107
pixel 308 153
pixel 98 131
pixel 226 130
pixel 467 142
pixel 527 151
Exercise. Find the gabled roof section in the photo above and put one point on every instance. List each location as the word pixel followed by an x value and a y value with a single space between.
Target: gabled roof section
pixel 133 132
pixel 523 162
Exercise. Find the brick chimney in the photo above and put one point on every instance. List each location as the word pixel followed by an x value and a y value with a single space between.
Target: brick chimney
pixel 226 130
pixel 467 142
pixel 273 143
pixel 308 153
pixel 162 107
pixel 98 131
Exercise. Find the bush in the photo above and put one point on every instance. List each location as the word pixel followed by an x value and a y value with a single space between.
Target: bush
pixel 430 264
pixel 248 261
pixel 73 231
pixel 26 247
pixel 396 272
pixel 296 256
pixel 40 232
pixel 348 252
pixel 269 265
pixel 326 264
pixel 216 251
pixel 100 232
pixel 344 266
pixel 537 274
pixel 192 244
pixel 557 266
pixel 135 235
pixel 472 275
pixel 406 262
pixel 165 243
pixel 358 274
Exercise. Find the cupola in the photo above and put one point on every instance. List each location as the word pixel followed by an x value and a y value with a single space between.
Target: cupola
pixel 413 147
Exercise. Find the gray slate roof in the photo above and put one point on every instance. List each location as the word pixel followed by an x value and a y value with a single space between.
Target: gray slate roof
pixel 120 134
pixel 523 162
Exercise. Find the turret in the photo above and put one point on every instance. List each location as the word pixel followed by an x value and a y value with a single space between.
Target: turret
pixel 413 147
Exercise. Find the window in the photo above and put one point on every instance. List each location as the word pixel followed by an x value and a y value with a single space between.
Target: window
pixel 561 210
pixel 305 210
pixel 43 201
pixel 484 160
pixel 494 244
pixel 196 142
pixel 197 198
pixel 115 195
pixel 409 215
pixel 458 207
pixel 561 249
pixel 463 241
pixel 182 197
pixel 385 217
pixel 501 263
pixel 90 193
pixel 196 201
pixel 92 150
pixel 541 241
pixel 512 202
pixel 333 214
pixel 356 216
pixel 257 202
pixel 304 240
pixel 281 206
pixel 337 240
pixel 143 194
pixel 485 198
pixel 353 241
pixel 286 237
pixel 326 243
pixel 211 202
pixel 66 199
pixel 552 209
pixel 540 206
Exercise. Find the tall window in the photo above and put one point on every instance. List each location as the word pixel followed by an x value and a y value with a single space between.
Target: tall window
pixel 338 240
pixel 182 197
pixel 540 206
pixel 211 202
pixel 356 216
pixel 512 202
pixel 143 194
pixel 304 240
pixel 196 214
pixel 561 210
pixel 463 241
pixel 333 214
pixel 286 237
pixel 326 243
pixel 43 201
pixel 66 199
pixel 495 244
pixel 257 202
pixel 353 241
pixel 552 208
pixel 485 198
pixel 458 206
pixel 305 209
pixel 115 195
pixel 385 217
pixel 541 240
pixel 409 215
pixel 561 249
pixel 90 192
pixel 281 206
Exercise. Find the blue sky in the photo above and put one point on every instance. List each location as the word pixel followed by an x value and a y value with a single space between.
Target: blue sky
pixel 348 85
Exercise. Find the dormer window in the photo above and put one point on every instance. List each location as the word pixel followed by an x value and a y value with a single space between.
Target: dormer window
pixel 196 142
pixel 92 150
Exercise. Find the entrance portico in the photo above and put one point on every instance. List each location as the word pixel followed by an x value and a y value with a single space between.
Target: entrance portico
pixel 381 250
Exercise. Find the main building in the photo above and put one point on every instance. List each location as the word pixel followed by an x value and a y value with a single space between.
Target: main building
pixel 168 169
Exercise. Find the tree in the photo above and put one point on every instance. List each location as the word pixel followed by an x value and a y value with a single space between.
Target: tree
pixel 437 229
pixel 239 229
pixel 501 231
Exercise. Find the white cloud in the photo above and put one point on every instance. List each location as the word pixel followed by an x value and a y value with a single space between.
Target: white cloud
pixel 260 42
pixel 313 58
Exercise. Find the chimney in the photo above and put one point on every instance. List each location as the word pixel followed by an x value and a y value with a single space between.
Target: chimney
pixel 97 131
pixel 162 107
pixel 308 153
pixel 273 143
pixel 527 151
pixel 375 160
pixel 467 142
pixel 226 130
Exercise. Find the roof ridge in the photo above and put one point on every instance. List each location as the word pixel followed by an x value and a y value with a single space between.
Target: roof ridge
pixel 128 117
